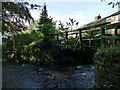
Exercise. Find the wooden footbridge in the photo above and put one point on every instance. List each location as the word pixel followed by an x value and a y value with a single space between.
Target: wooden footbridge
pixel 95 34
pixel 90 36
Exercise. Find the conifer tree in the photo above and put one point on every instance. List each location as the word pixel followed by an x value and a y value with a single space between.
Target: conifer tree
pixel 44 17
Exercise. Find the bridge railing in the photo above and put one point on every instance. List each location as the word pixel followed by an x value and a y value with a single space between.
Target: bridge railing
pixel 80 36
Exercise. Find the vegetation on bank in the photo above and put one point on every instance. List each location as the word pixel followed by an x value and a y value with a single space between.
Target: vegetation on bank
pixel 27 47
pixel 107 68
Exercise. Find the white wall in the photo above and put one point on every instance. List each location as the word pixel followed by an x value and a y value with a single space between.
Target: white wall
pixel 119 15
pixel 0 39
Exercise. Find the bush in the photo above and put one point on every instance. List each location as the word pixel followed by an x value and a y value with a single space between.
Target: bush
pixel 107 67
pixel 27 50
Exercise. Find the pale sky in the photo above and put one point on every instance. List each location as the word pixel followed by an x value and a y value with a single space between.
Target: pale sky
pixel 82 11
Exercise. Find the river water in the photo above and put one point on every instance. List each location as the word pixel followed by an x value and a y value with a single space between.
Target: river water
pixel 48 76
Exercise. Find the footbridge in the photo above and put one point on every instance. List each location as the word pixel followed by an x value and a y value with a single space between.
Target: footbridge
pixel 102 34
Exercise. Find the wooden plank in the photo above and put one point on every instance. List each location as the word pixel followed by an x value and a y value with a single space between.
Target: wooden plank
pixel 90 46
pixel 69 39
pixel 103 34
pixel 72 33
pixel 97 38
pixel 76 45
pixel 115 32
pixel 86 31
pixel 57 37
pixel 90 43
pixel 80 38
pixel 88 37
pixel 66 35
pixel 106 27
pixel 111 37
pixel 64 44
pixel 103 25
pixel 76 35
pixel 93 26
pixel 111 26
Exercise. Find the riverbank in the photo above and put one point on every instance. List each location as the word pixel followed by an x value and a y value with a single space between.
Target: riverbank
pixel 70 57
pixel 50 55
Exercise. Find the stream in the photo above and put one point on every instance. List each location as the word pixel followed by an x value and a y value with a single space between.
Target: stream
pixel 46 76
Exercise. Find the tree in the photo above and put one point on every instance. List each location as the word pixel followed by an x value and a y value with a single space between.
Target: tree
pixel 14 17
pixel 44 17
pixel 61 26
pixel 72 23
pixel 46 26
pixel 48 29
pixel 113 3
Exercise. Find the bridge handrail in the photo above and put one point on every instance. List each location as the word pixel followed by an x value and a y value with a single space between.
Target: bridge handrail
pixel 94 28
pixel 85 29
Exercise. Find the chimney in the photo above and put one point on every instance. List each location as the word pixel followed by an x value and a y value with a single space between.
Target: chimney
pixel 97 17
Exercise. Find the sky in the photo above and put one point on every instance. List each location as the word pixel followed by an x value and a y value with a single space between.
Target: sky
pixel 82 11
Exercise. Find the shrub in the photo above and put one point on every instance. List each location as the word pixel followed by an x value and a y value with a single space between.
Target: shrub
pixel 107 67
pixel 27 50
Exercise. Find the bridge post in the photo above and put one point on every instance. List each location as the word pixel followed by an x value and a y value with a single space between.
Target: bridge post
pixel 108 42
pixel 76 35
pixel 92 33
pixel 66 36
pixel 115 34
pixel 57 39
pixel 80 38
pixel 103 34
pixel 89 43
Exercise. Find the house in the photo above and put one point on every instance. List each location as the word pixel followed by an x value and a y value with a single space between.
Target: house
pixel 0 38
pixel 114 18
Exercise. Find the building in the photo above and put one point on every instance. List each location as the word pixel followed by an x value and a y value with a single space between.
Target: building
pixel 114 18
pixel 0 38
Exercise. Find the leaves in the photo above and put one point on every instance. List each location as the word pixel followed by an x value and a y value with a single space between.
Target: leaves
pixel 113 5
pixel 110 3
pixel 72 21
pixel 14 16
pixel 77 23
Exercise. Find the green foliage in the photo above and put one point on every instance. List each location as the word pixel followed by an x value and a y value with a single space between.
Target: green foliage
pixel 44 17
pixel 28 49
pixel 19 12
pixel 107 66
pixel 34 54
pixel 15 14
pixel 34 26
pixel 28 46
pixel 47 29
